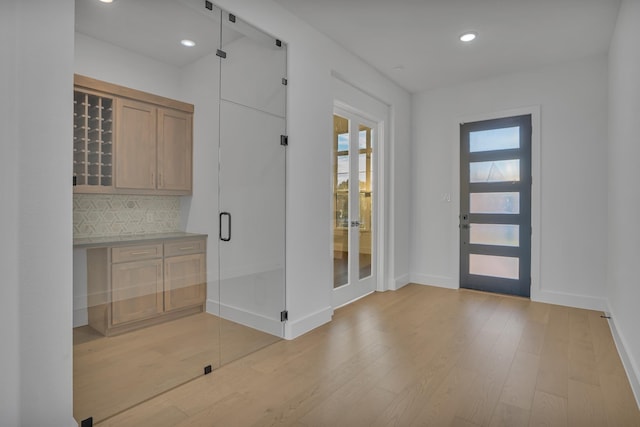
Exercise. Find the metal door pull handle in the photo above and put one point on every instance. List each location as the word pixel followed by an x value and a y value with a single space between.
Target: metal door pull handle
pixel 139 253
pixel 228 215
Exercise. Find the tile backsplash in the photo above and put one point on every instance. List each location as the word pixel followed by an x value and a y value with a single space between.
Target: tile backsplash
pixel 115 214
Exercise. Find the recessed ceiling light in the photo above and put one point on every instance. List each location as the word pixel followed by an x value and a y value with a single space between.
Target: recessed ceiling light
pixel 467 37
pixel 106 1
pixel 187 43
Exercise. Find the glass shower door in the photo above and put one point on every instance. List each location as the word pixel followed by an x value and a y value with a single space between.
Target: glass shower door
pixel 251 194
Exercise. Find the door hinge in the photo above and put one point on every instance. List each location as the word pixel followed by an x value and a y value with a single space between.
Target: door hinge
pixel 88 422
pixel 221 53
pixel 278 43
pixel 232 18
pixel 284 316
pixel 284 140
pixel 208 5
pixel 285 81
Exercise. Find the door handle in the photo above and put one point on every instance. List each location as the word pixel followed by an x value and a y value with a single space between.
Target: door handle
pixel 464 221
pixel 228 215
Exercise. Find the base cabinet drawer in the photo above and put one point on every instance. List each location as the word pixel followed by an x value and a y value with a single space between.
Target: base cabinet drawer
pixel 130 287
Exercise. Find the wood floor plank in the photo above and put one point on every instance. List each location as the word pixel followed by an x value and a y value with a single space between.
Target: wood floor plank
pixel 519 388
pixel 506 415
pixel 582 358
pixel 585 405
pixel 553 375
pixel 620 407
pixel 548 410
pixel 420 356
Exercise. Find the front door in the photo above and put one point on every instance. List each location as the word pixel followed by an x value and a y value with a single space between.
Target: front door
pixel 495 205
pixel 354 140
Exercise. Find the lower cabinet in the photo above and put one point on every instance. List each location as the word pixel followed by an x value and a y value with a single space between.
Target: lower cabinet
pixel 130 287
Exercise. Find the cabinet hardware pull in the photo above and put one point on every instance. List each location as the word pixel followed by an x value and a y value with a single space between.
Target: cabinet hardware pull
pixel 186 248
pixel 139 253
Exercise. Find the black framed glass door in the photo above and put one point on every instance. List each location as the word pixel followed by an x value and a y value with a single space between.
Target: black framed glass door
pixel 495 205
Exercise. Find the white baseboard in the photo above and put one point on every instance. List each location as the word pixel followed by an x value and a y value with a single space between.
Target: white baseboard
pixel 439 281
pixel 628 362
pixel 295 328
pixel 80 317
pixel 400 282
pixel 246 318
pixel 569 300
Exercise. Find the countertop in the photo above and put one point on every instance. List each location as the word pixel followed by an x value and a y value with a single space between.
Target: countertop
pixel 103 241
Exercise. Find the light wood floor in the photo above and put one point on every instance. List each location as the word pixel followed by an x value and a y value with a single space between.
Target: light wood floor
pixel 415 357
pixel 112 374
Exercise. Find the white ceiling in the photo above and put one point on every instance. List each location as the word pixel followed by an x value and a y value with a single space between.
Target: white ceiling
pixel 421 36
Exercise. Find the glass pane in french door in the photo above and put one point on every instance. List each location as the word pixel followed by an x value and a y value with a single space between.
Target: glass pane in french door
pixel 495 205
pixel 341 201
pixel 365 152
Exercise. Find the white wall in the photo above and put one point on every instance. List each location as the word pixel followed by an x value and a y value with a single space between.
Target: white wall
pixel 571 157
pixel 623 288
pixel 9 220
pixel 36 203
pixel 311 58
pixel 104 61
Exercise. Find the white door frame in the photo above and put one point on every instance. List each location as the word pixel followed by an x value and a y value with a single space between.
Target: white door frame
pixel 350 97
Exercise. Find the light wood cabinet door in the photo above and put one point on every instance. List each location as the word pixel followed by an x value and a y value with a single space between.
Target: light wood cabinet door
pixel 184 281
pixel 136 290
pixel 174 150
pixel 135 157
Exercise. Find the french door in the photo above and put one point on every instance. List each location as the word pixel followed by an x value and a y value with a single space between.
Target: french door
pixel 495 205
pixel 354 142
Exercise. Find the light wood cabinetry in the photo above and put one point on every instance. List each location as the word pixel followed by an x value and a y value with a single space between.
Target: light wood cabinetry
pixel 135 163
pixel 144 284
pixel 130 142
pixel 175 157
pixel 136 291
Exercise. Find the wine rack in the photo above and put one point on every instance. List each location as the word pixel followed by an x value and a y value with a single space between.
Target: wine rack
pixel 92 140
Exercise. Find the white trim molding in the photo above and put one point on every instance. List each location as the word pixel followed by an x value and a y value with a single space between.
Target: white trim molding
pixel 294 328
pixel 438 281
pixel 629 363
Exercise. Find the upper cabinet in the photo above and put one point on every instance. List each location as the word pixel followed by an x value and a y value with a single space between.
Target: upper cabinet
pixel 174 150
pixel 130 142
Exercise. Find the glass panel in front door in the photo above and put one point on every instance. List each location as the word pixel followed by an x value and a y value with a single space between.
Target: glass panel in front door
pixel 495 205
